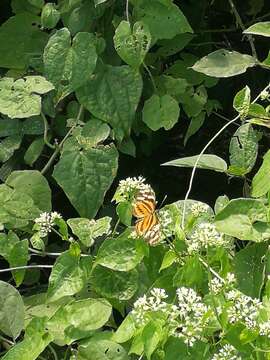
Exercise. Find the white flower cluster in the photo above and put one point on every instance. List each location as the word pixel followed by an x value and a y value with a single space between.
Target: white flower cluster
pixel 198 209
pixel 217 285
pixel 45 222
pixel 129 187
pixel 227 352
pixel 166 221
pixel 154 302
pixel 206 235
pixel 243 309
pixel 188 319
pixel 264 95
pixel 264 329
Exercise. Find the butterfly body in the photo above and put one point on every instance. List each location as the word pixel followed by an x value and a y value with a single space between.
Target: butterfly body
pixel 147 224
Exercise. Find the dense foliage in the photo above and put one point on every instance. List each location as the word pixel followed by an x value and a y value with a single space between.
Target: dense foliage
pixel 105 106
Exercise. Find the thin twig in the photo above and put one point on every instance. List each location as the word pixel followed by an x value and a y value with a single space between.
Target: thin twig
pixel 26 267
pixel 242 26
pixel 59 147
pixel 44 253
pixel 127 11
pixel 224 118
pixel 53 352
pixel 45 138
pixel 150 76
pixel 202 152
pixel 7 340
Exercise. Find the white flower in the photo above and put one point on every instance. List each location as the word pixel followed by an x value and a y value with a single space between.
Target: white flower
pixel 205 235
pixel 45 222
pixel 264 328
pixel 227 352
pixel 198 208
pixel 217 285
pixel 189 319
pixel 129 187
pixel 264 95
pixel 243 309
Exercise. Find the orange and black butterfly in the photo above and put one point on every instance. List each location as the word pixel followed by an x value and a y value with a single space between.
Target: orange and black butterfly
pixel 147 224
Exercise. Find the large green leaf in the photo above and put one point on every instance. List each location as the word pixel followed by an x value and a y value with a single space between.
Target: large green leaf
pixel 11 310
pixel 35 341
pixel 132 44
pixel 261 181
pixel 34 184
pixel 101 349
pixel 241 101
pixel 17 208
pixel 20 98
pixel 68 275
pixel 224 63
pixel 88 230
pixel 86 175
pixel 250 269
pixel 121 253
pixel 244 219
pixel 114 284
pixel 18 256
pixel 152 333
pixel 76 320
pixel 161 111
pixel 8 146
pixel 20 40
pixel 260 28
pixel 164 19
pixel 243 150
pixel 69 66
pixel 207 161
pixel 112 94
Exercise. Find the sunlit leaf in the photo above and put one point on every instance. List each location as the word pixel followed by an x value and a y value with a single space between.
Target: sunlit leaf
pixel 207 161
pixel 260 28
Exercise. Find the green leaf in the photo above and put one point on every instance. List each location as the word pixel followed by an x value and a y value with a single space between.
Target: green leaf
pixel 101 349
pixel 242 218
pixel 17 208
pixel 86 175
pixel 250 269
pixel 152 333
pixel 69 66
pixel 20 38
pixel 195 103
pixel 164 19
pixel 224 63
pixel 124 212
pixel 172 46
pixel 88 230
pixel 49 16
pixel 169 259
pixel 11 310
pixel 132 45
pixel 77 320
pixel 241 101
pixel 126 330
pixel 175 345
pixel 18 256
pixel 121 253
pixel 34 184
pixel 161 111
pixel 195 124
pixel 243 150
pixel 112 95
pixel 94 131
pixel 260 28
pixel 68 275
pixel 20 98
pixel 128 147
pixel 220 203
pixel 34 151
pixel 35 341
pixel 207 161
pixel 114 284
pixel 8 146
pixel 261 181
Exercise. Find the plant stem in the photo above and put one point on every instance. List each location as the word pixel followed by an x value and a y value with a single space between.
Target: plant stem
pixel 150 76
pixel 26 267
pixel 44 253
pixel 59 147
pixel 202 152
pixel 127 11
pixel 7 340
pixel 242 26
pixel 45 138
pixel 224 118
pixel 53 352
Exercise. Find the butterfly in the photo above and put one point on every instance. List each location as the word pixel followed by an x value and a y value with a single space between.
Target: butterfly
pixel 147 224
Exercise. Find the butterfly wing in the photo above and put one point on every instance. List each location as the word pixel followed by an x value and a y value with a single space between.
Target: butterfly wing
pixel 149 228
pixel 143 208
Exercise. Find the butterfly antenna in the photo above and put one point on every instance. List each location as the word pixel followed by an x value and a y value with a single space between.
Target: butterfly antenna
pixel 162 202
